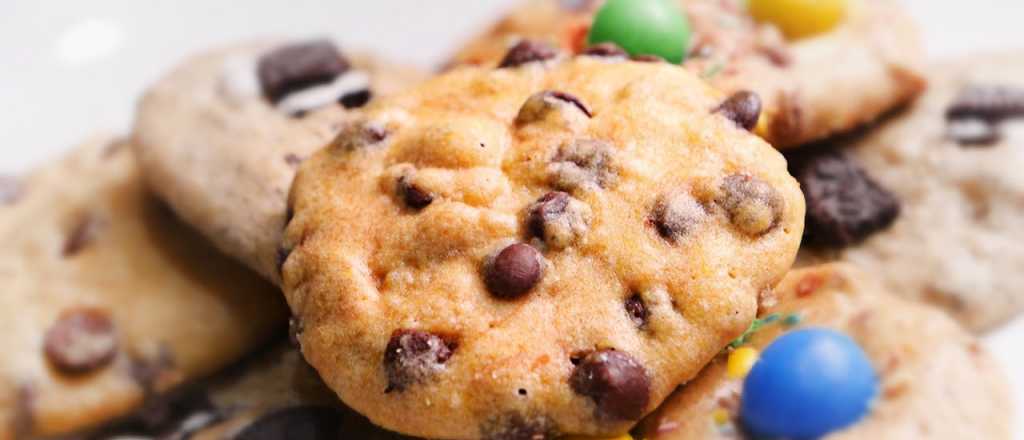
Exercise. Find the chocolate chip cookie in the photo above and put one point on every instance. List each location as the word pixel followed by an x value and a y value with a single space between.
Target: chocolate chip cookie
pixel 931 199
pixel 220 137
pixel 935 379
pixel 804 94
pixel 109 300
pixel 549 247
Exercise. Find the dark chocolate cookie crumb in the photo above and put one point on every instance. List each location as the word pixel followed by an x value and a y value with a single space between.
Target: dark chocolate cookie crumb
pixel 299 66
pixel 844 204
pixel 991 103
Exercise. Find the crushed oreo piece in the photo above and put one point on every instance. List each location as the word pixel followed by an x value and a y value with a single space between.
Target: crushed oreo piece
pixel 973 132
pixel 992 103
pixel 356 99
pixel 299 66
pixel 844 204
pixel 527 51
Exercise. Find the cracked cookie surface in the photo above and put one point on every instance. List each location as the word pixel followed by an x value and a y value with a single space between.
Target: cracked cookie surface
pixel 550 247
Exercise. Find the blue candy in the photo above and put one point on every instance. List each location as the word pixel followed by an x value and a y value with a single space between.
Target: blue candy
pixel 807 384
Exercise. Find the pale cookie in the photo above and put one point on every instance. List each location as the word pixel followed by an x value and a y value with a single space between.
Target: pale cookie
pixel 936 381
pixel 549 247
pixel 221 136
pixel 809 88
pixel 109 300
pixel 952 165
pixel 273 395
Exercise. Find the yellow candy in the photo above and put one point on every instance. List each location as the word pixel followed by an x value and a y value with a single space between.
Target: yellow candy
pixel 721 416
pixel 799 18
pixel 741 361
pixel 580 437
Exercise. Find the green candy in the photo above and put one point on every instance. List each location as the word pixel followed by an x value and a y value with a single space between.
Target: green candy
pixel 643 27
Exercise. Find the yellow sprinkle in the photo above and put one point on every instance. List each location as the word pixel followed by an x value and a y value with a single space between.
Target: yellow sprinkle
pixel 741 361
pixel 762 129
pixel 721 416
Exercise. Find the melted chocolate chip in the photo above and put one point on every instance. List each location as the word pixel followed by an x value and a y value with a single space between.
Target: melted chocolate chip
pixel 582 164
pixel 82 340
pixel 542 104
pixel 973 132
pixel 558 219
pixel 83 234
pixel 514 271
pixel 354 136
pixel 844 204
pixel 605 50
pixel 10 190
pixel 743 108
pixel 310 422
pixel 299 66
pixel 527 51
pixel 636 309
pixel 413 356
pixel 676 215
pixel 616 382
pixel 356 99
pixel 991 103
pixel 754 207
pixel 648 58
pixel 515 426
pixel 414 196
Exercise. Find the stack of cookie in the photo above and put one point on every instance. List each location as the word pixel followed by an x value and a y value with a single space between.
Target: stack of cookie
pixel 586 227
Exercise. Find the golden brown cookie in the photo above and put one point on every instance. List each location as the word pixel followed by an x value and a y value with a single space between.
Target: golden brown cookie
pixel 548 247
pixel 809 88
pixel 109 300
pixel 221 136
pixel 936 380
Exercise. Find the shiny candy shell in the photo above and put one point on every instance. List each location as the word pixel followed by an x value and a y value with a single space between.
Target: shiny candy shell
pixel 643 27
pixel 808 383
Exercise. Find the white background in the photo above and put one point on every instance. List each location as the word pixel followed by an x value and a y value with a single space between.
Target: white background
pixel 70 68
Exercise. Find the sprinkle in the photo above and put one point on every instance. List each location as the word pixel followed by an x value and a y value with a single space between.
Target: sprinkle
pixel 712 71
pixel 754 327
pixel 791 320
pixel 740 362
pixel 721 416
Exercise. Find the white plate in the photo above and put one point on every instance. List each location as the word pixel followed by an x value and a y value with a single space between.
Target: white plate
pixel 70 68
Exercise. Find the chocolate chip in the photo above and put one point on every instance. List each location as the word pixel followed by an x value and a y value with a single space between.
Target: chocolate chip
pixel 515 426
pixel 844 204
pixel 558 219
pixel 514 271
pixel 357 135
pixel 743 108
pixel 527 51
pixel 413 356
pixel 299 66
pixel 648 58
pixel 676 215
pixel 82 340
pixel 636 309
pixel 753 206
pixel 541 104
pixel 293 160
pixel 309 422
pixel 356 99
pixel 10 190
pixel 414 196
pixel 991 103
pixel 282 257
pixel 582 164
pixel 82 234
pixel 616 382
pixel 605 50
pixel 973 132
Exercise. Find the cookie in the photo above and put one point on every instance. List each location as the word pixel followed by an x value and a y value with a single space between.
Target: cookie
pixel 272 394
pixel 107 296
pixel 805 95
pixel 936 381
pixel 937 212
pixel 548 247
pixel 221 136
